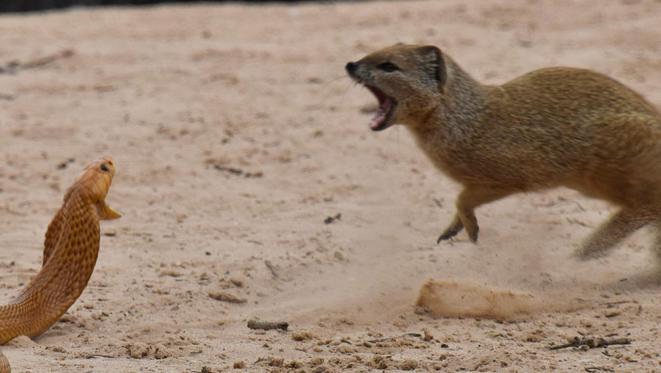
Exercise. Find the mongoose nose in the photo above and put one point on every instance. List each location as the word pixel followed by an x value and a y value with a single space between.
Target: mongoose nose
pixel 351 67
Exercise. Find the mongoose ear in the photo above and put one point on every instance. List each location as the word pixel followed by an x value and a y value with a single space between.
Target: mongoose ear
pixel 435 63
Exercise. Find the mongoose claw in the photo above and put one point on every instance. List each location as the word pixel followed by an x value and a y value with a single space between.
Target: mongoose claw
pixel 453 231
pixel 455 227
pixel 444 237
pixel 472 235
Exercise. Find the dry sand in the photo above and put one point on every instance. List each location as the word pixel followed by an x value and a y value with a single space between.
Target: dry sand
pixel 236 134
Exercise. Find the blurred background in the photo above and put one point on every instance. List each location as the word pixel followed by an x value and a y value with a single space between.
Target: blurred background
pixel 37 5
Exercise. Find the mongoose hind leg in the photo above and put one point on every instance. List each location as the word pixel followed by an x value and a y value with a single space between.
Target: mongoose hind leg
pixel 612 232
pixel 469 199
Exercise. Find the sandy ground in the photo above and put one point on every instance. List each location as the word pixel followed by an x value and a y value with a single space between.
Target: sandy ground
pixel 236 135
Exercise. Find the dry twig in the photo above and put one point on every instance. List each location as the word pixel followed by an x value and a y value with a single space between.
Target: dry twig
pixel 267 325
pixel 13 66
pixel 271 268
pixel 395 337
pixel 592 342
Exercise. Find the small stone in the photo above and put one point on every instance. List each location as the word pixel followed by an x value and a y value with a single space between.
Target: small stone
pixel 294 364
pixel 408 365
pixel 427 337
pixel 276 361
pixel 301 336
pixel 239 365
pixel 226 297
pixel 345 349
pixel 161 352
pixel 57 349
pixel 137 350
pixel 378 362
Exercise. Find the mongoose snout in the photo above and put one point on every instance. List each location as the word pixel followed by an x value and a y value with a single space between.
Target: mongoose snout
pixel 351 67
pixel 551 127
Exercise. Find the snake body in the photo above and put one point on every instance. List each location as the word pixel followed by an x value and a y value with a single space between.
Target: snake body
pixel 71 248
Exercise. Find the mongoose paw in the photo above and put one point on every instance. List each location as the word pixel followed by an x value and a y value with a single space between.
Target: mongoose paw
pixel 448 234
pixel 444 237
pixel 472 234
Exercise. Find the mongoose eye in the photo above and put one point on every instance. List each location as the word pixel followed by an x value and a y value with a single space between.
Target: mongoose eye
pixel 387 67
pixel 104 167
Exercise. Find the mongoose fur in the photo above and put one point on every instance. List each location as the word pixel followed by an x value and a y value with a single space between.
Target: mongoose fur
pixel 551 127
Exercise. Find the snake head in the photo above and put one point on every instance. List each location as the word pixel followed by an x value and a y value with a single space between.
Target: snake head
pixel 94 183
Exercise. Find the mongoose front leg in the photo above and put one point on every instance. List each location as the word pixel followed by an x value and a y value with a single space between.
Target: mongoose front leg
pixel 469 199
pixel 612 232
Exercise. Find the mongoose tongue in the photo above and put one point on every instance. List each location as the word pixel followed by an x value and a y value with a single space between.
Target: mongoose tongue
pixel 379 121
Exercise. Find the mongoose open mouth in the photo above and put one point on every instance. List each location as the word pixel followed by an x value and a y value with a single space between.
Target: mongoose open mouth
pixel 383 117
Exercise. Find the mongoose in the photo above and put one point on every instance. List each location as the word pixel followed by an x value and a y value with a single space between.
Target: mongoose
pixel 551 127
